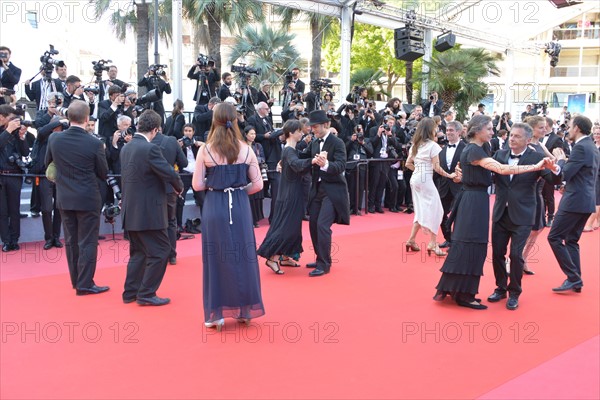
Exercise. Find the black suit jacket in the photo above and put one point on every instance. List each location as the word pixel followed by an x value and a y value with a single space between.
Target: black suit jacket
pixel 80 160
pixel 437 108
pixel 107 120
pixel 299 87
pixel 333 180
pixel 260 128
pixel 445 185
pixel 553 142
pixel 172 152
pixel 210 80
pixel 145 174
pixel 34 90
pixel 224 92
pixel 580 173
pixel 103 94
pixel 520 192
pixel 10 77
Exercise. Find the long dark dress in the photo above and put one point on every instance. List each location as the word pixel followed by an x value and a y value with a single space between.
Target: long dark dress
pixel 463 267
pixel 285 233
pixel 540 209
pixel 231 278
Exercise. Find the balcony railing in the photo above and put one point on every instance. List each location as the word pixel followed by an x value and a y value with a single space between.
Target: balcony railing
pixel 588 71
pixel 576 33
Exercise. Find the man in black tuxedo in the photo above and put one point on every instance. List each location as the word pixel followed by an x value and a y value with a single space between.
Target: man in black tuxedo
pixel 207 78
pixel 39 90
pixel 514 211
pixel 447 188
pixel 578 201
pixel 434 106
pixel 80 160
pixel 328 199
pixel 9 73
pixel 145 176
pixel 173 153
pixel 112 80
pixel 299 86
pixel 109 111
pixel 74 91
pixel 551 141
pixel 499 142
pixel 226 89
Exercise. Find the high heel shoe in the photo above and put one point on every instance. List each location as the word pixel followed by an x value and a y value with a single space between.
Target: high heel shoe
pixel 435 250
pixel 274 266
pixel 412 246
pixel 215 324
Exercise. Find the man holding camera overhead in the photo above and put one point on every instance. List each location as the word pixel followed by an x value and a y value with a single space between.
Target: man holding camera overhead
pixel 207 76
pixel 156 79
pixel 9 74
pixel 434 106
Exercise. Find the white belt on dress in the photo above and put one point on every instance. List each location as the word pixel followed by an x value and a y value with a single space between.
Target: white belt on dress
pixel 229 191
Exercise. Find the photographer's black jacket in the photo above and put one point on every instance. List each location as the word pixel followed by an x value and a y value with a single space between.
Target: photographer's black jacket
pixel 212 77
pixel 11 144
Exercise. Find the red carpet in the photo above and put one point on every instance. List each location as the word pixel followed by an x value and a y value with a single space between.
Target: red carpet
pixel 367 330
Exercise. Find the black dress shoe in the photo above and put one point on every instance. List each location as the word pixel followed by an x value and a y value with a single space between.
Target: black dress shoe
pixel 409 210
pixel 528 272
pixel 129 300
pixel 49 244
pixel 379 210
pixel 317 272
pixel 445 245
pixel 173 260
pixel 394 210
pixel 23 215
pixel 474 305
pixel 100 237
pixel 371 210
pixel 549 223
pixel 496 296
pixel 91 290
pixel 568 285
pixel 512 303
pixel 311 265
pixel 57 243
pixel 153 301
pixel 6 248
pixel 35 214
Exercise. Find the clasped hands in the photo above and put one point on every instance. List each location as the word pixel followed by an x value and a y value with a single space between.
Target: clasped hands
pixel 320 159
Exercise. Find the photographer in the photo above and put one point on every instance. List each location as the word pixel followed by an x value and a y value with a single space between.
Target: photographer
pixel 9 73
pixel 298 85
pixel 295 111
pixel 108 112
pixel 384 146
pixel 47 190
pixel 207 77
pixel 75 91
pixel 112 80
pixel 41 89
pixel 54 105
pixel 503 123
pixel 12 148
pixel 393 107
pixel 156 79
pixel 434 106
pixel 369 118
pixel 358 95
pixel 120 137
pixel 203 118
pixel 358 149
pixel 348 121
pixel 190 145
pixel 264 95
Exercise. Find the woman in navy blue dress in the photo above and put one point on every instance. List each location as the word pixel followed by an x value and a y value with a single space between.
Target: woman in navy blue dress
pixel 283 242
pixel 228 169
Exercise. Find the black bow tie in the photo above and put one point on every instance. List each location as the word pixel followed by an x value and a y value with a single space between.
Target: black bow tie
pixel 547 134
pixel 451 145
pixel 515 156
pixel 320 140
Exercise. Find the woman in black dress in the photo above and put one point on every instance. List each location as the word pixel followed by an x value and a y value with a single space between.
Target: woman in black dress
pixel 284 238
pixel 256 199
pixel 463 266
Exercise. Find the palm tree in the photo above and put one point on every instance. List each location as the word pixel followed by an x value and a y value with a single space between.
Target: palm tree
pixel 214 14
pixel 265 48
pixel 457 75
pixel 319 27
pixel 138 19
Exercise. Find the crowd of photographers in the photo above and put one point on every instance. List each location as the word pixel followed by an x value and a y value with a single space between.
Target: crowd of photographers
pixel 380 136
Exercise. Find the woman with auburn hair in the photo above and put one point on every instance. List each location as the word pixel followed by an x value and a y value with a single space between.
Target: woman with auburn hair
pixel 224 166
pixel 423 160
pixel 463 267
pixel 283 243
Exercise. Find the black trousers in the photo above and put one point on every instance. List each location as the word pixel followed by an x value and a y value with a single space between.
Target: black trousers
pixel 548 195
pixel 447 202
pixel 391 188
pixel 172 217
pixel 148 254
pixel 408 194
pixel 564 240
pixel 322 216
pixel 354 189
pixel 10 204
pixel 35 202
pixel 503 231
pixel 81 245
pixel 186 179
pixel 377 180
pixel 50 215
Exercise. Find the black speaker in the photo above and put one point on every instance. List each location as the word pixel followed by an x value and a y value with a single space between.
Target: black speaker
pixel 410 52
pixel 408 33
pixel 445 42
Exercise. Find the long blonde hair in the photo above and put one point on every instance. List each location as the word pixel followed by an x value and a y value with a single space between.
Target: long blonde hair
pixel 224 136
pixel 425 132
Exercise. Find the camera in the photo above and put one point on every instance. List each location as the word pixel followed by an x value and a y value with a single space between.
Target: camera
pixel 350 108
pixel 539 108
pixel 263 172
pixel 28 124
pixel 3 55
pixel 187 142
pixel 289 77
pixel 92 89
pixel 100 66
pixel 48 62
pixel 158 69
pixel 360 136
pixel 240 108
pixel 318 84
pixel 243 69
pixel 204 62
pixel 385 127
pixel 331 114
pixel 8 92
pixel 110 211
pixel 17 160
